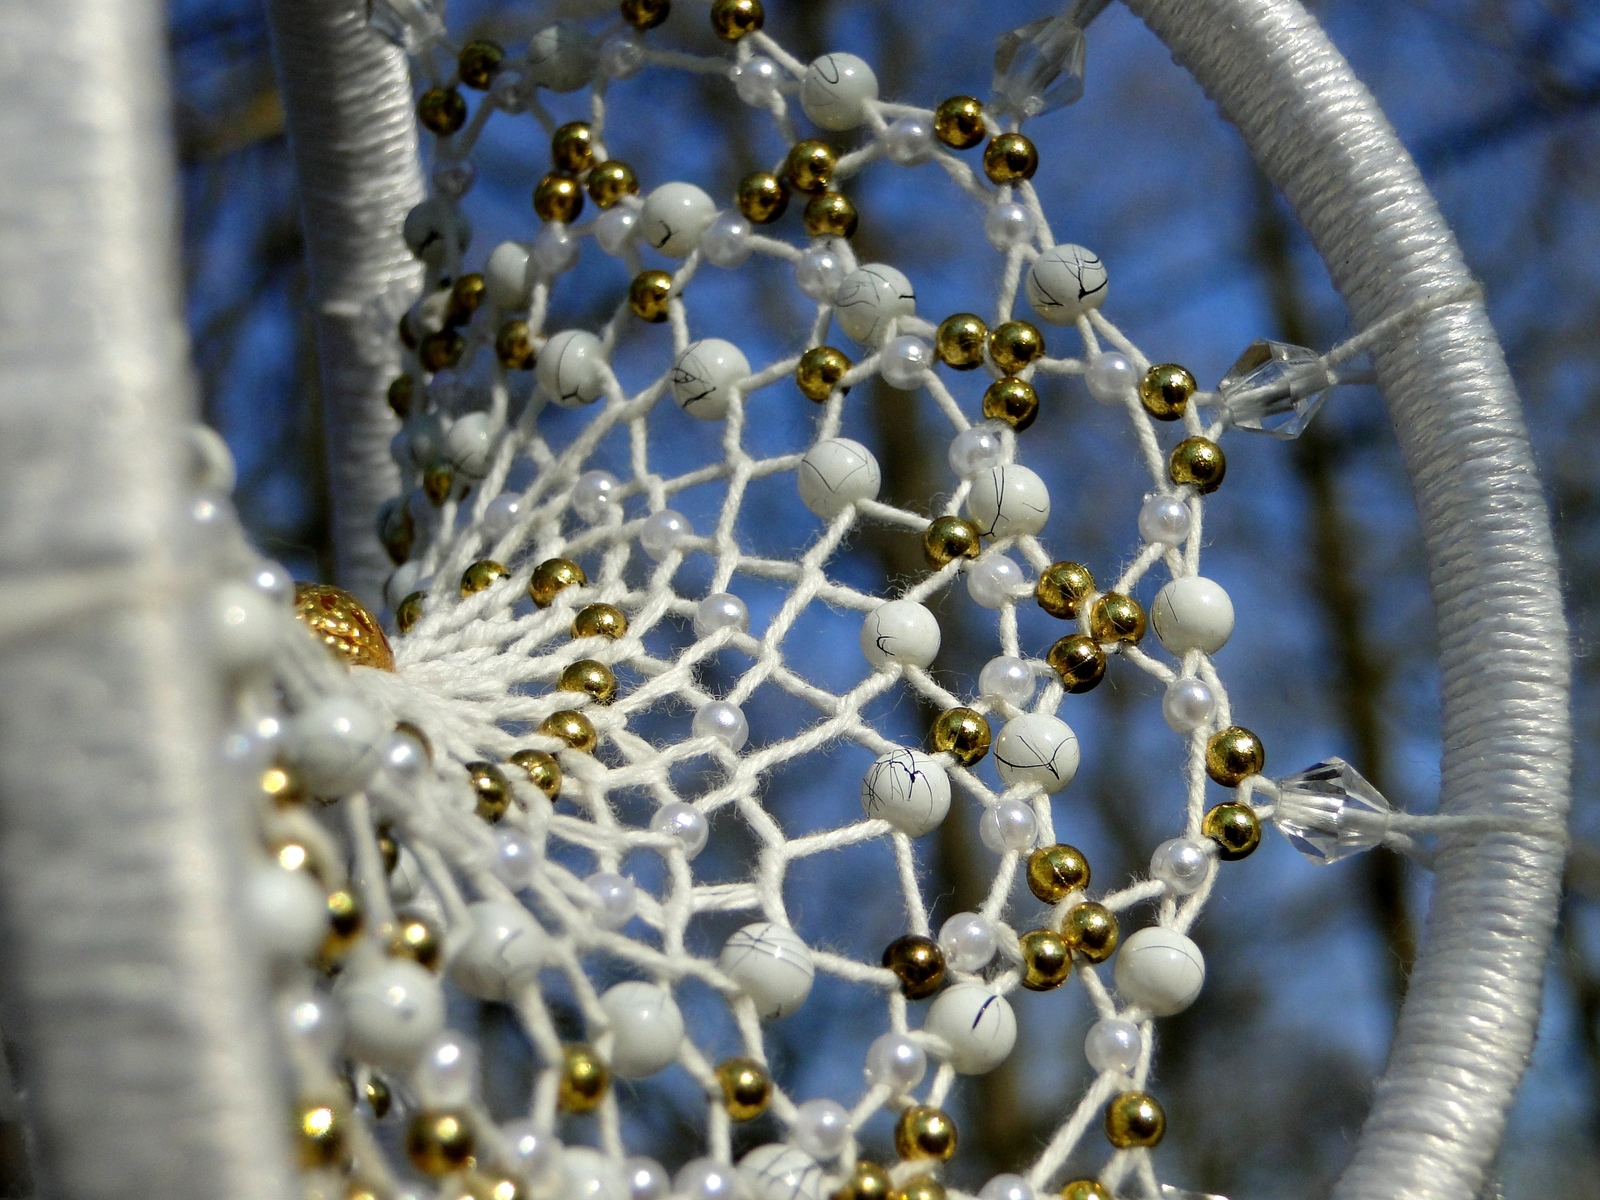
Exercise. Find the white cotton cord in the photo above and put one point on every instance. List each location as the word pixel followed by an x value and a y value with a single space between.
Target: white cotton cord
pixel 1472 1004
pixel 347 104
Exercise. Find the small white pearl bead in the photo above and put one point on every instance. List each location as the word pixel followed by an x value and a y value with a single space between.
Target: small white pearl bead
pixel 514 861
pixel 588 1175
pixel 273 581
pixel 706 1179
pixel 555 251
pixel 336 742
pixel 211 465
pixel 720 610
pixel 1187 704
pixel 614 899
pixel 896 1062
pixel 719 719
pixel 1181 864
pixel 1112 1045
pixel 968 941
pixel 994 579
pixel 1008 225
pixel 455 178
pixel 243 626
pixel 447 1073
pixel 594 496
pixel 662 533
pixel 647 1179
pixel 500 515
pixel 1008 825
pixel 684 822
pixel 1164 520
pixel 1110 377
pixel 726 241
pixel 909 141
pixel 756 80
pixel 404 756
pixel 616 227
pixel 819 273
pixel 1008 1187
pixel 509 92
pixel 622 54
pixel 904 361
pixel 312 1018
pixel 1009 679
pixel 976 448
pixel 536 1156
pixel 821 1128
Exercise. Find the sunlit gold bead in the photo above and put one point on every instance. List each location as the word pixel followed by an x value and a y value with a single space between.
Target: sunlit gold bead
pixel 1014 345
pixel 732 19
pixel 402 395
pixel 962 733
pixel 1062 587
pixel 1165 390
pixel 920 1187
pixel 648 295
pixel 831 214
pixel 571 727
pixel 293 855
pixel 600 620
pixel 440 1141
pixel 320 1132
pixel 481 576
pixel 1046 961
pixel 1055 872
pixel 416 938
pixel 557 197
pixel 361 1189
pixel 479 62
pixel 1080 662
pixel 441 110
pixel 923 1131
pixel 409 611
pixel 442 350
pixel 949 538
pixel 958 122
pixel 1085 1189
pixel 343 624
pixel 1199 462
pixel 1117 618
pixel 1013 401
pixel 437 483
pixel 645 14
pixel 572 147
pixel 345 919
pixel 491 788
pixel 1089 929
pixel 960 341
pixel 610 181
pixel 388 849
pixel 1009 157
pixel 810 165
pixel 542 769
pixel 1235 828
pixel 746 1087
pixel 867 1181
pixel 918 963
pixel 584 1079
pixel 1233 755
pixel 1134 1119
pixel 553 576
pixel 819 372
pixel 593 679
pixel 397 530
pixel 513 346
pixel 279 784
pixel 378 1096
pixel 466 297
pixel 762 197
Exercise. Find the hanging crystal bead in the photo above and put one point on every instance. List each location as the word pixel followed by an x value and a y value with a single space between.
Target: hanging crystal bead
pixel 1275 389
pixel 1329 812
pixel 412 25
pixel 1038 67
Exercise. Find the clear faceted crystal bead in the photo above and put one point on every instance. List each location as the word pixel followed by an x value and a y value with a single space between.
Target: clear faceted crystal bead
pixel 1038 67
pixel 410 24
pixel 1329 812
pixel 1275 388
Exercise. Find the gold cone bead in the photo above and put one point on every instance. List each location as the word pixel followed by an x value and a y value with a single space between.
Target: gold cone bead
pixel 918 963
pixel 1233 755
pixel 949 538
pixel 542 769
pixel 584 1080
pixel 553 576
pixel 1090 929
pixel 343 624
pixel 1055 872
pixel 345 919
pixel 958 122
pixel 923 1131
pixel 746 1087
pixel 962 733
pixel 1235 828
pixel 1134 1119
pixel 1165 390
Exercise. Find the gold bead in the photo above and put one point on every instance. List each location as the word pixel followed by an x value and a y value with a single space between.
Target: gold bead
pixel 962 733
pixel 960 341
pixel 1009 157
pixel 492 789
pixel 279 784
pixel 513 346
pixel 648 295
pixel 440 1141
pixel 409 611
pixel 819 372
pixel 1014 345
pixel 1235 828
pixel 831 214
pixel 479 62
pixel 1013 401
pixel 396 530
pixel 918 963
pixel 345 918
pixel 1062 587
pixel 297 856
pixel 572 147
pixel 571 727
pixel 343 624
pixel 402 394
pixel 437 483
pixel 442 350
pixel 441 110
pixel 1134 1119
pixel 410 730
pixel 762 197
pixel 320 1132
pixel 492 1186
pixel 553 576
pixel 732 19
pixel 949 538
pixel 1233 755
pixel 867 1181
pixel 1117 618
pixel 746 1087
pixel 920 1187
pixel 542 769
pixel 388 849
pixel 1199 462
pixel 558 197
pixel 584 1079
pixel 645 14
pixel 610 181
pixel 923 1131
pixel 1165 390
pixel 600 620
pixel 1085 1189
pixel 810 165
pixel 958 122
pixel 415 937
pixel 1089 929
pixel 1055 872
pixel 466 297
pixel 378 1096
pixel 593 679
pixel 1046 961
pixel 481 576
